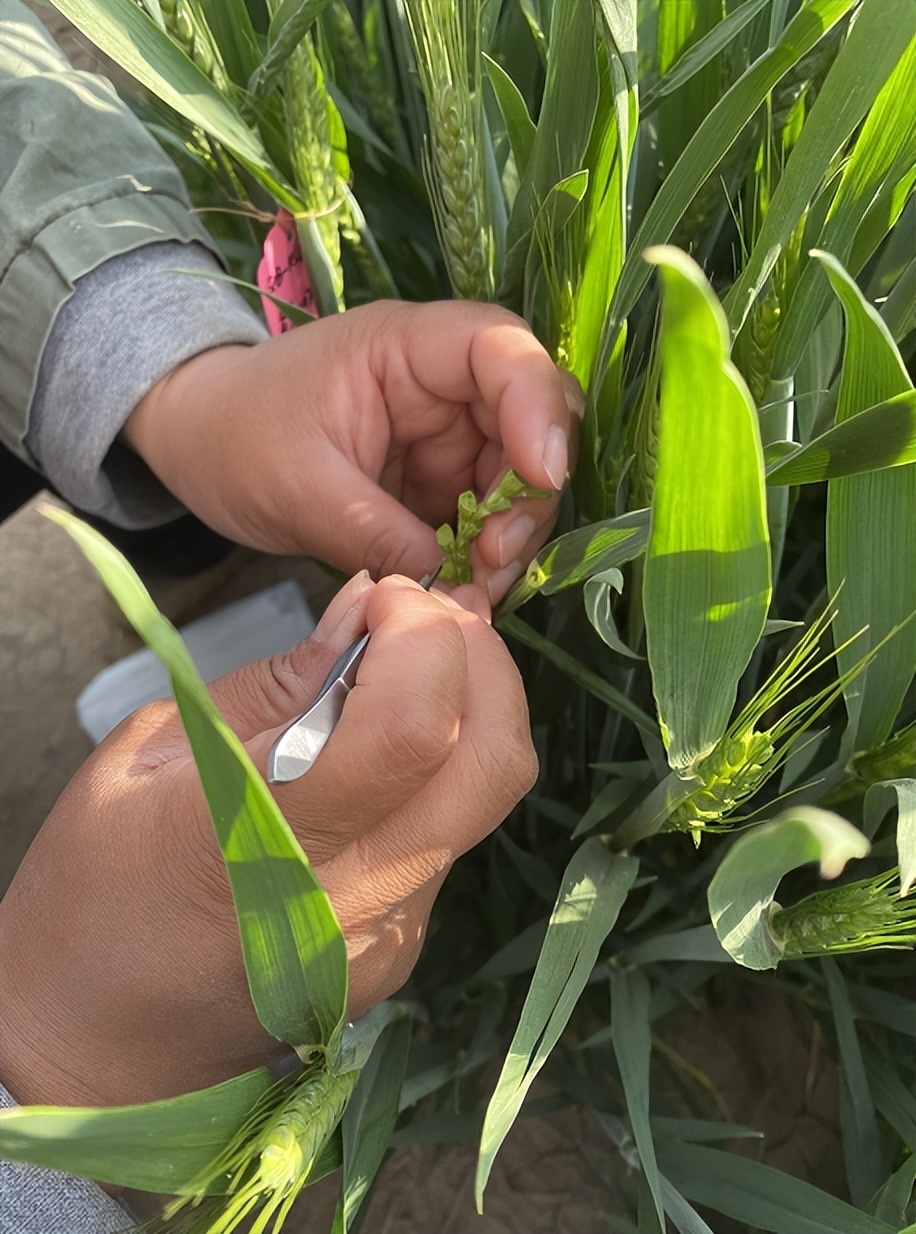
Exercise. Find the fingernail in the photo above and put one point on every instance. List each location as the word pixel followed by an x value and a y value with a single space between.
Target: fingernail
pixel 556 456
pixel 344 603
pixel 513 538
pixel 500 582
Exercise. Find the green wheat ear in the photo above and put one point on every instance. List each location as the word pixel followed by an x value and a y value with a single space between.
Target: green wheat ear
pixel 456 544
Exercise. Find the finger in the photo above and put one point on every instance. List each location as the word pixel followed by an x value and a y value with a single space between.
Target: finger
pixel 272 692
pixel 370 528
pixel 488 358
pixel 399 725
pixel 490 769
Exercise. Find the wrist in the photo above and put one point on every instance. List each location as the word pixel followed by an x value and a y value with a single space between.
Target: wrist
pixel 172 428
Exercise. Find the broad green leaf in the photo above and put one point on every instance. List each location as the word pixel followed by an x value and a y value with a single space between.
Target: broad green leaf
pixel 294 951
pixel 898 312
pixel 871 531
pixel 711 142
pixel 758 1195
pixel 129 37
pixel 577 672
pixel 519 125
pixel 288 27
pixel 681 25
pixel 632 1040
pixel 706 588
pixel 597 599
pixel 720 37
pixel 563 129
pixel 230 24
pixel 861 1142
pixel 610 798
pixel 881 153
pixel 742 893
pixel 879 799
pixel 579 554
pixel 879 437
pixel 370 1117
pixel 894 1197
pixel 595 885
pixel 160 1146
pixel 697 945
pixel 876 41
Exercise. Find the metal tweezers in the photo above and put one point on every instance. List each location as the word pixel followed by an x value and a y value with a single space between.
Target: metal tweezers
pixel 296 749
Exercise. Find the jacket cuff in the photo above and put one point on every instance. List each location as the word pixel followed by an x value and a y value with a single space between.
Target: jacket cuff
pixel 128 323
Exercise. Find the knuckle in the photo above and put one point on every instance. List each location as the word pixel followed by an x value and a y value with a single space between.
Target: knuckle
pixel 421 734
pixel 385 552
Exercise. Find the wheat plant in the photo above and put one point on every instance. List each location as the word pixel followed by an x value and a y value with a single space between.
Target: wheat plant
pixel 705 210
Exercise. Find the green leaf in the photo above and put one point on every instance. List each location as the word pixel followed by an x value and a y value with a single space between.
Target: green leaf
pixel 519 125
pixel 707 587
pixel 881 154
pixel 722 36
pixel 288 27
pixel 129 37
pixel 758 1195
pixel 579 554
pixel 370 1117
pixel 632 1040
pixel 594 888
pixel 564 123
pixel 871 440
pixel 597 598
pixel 230 24
pixel 294 951
pixel 871 531
pixel 861 1142
pixel 160 1146
pixel 894 1197
pixel 578 673
pixel 879 799
pixel 297 315
pixel 742 892
pixel 711 142
pixel 876 41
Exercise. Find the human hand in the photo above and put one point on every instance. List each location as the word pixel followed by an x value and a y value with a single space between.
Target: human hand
pixel 121 969
pixel 352 437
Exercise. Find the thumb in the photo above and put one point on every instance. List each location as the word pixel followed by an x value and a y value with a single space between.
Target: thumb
pixel 270 693
pixel 371 528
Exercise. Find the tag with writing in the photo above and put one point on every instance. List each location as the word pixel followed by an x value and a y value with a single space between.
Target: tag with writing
pixel 282 271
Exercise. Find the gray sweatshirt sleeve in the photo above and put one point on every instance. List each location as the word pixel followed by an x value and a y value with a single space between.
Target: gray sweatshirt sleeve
pixel 39 1201
pixel 127 324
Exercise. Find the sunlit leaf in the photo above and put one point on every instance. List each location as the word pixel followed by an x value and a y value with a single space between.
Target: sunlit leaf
pixel 594 888
pixel 160 1146
pixel 871 530
pixel 294 951
pixel 742 892
pixel 707 571
pixel 881 436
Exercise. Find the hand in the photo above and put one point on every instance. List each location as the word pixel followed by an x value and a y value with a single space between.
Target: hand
pixel 121 970
pixel 352 437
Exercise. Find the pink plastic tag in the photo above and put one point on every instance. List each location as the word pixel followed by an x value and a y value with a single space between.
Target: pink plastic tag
pixel 283 272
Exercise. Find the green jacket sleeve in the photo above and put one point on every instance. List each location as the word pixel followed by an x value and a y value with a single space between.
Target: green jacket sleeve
pixel 69 199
